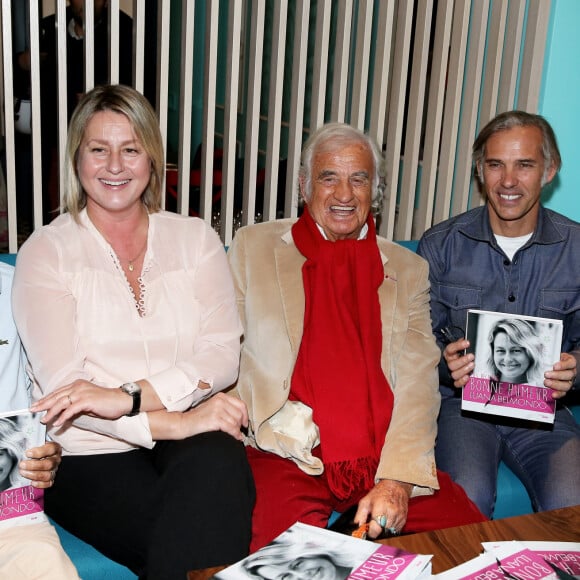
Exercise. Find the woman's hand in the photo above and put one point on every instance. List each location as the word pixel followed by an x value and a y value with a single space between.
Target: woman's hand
pixel 561 378
pixel 41 465
pixel 460 366
pixel 83 398
pixel 388 498
pixel 219 413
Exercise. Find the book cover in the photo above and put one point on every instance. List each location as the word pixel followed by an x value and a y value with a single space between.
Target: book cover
pixel 20 502
pixel 509 560
pixel 305 551
pixel 563 555
pixel 512 353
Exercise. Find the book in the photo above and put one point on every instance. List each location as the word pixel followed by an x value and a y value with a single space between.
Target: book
pixel 512 353
pixel 20 502
pixel 563 555
pixel 508 560
pixel 305 551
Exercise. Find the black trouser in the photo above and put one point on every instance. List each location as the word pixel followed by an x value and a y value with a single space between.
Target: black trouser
pixel 161 512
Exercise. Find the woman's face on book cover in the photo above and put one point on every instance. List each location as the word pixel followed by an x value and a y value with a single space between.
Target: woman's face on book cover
pixel 6 465
pixel 510 359
pixel 320 568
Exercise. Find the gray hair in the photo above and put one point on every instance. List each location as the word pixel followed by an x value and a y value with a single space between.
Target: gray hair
pixel 332 136
pixel 509 120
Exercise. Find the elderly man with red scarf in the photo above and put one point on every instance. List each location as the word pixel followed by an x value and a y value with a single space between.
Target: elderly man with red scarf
pixel 339 364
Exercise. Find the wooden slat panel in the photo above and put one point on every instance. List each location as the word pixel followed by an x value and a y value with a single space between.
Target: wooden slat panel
pixel 62 91
pixel 320 63
pixel 185 98
pixel 275 108
pixel 396 114
pixel 251 143
pixel 493 62
pixel 139 44
pixel 114 42
pixel 415 108
pixel 35 98
pixel 89 44
pixel 297 106
pixel 8 94
pixel 424 214
pixel 209 105
pixel 450 124
pixel 452 111
pixel 341 60
pixel 381 70
pixel 231 119
pixel 534 47
pixel 361 64
pixel 511 56
pixel 162 98
pixel 469 108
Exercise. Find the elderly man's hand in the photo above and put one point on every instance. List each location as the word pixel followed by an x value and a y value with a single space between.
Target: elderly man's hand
pixel 460 365
pixel 42 464
pixel 388 498
pixel 561 378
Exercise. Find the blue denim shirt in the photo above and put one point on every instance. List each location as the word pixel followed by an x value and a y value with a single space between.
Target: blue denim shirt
pixel 468 269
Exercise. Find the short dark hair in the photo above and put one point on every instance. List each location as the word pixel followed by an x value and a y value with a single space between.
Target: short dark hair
pixel 509 120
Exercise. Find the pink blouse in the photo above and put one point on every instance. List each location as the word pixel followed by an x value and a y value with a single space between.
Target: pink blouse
pixel 78 319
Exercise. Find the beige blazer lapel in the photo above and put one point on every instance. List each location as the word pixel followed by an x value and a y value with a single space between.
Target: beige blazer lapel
pixel 289 273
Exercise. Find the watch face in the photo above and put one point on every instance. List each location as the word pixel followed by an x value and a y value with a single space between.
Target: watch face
pixel 131 388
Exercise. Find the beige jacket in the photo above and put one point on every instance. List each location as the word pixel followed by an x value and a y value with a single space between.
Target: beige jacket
pixel 267 271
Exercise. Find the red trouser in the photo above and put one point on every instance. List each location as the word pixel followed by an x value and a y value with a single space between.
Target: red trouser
pixel 285 494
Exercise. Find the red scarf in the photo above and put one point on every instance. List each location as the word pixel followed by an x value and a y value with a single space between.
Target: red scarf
pixel 338 370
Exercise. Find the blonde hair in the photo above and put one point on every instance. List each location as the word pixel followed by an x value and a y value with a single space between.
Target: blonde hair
pixel 133 105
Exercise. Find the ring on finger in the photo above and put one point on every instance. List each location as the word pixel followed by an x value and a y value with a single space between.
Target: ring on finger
pixel 393 531
pixel 52 474
pixel 381 520
pixel 69 400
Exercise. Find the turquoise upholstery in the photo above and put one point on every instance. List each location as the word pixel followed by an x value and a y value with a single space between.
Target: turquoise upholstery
pixel 89 562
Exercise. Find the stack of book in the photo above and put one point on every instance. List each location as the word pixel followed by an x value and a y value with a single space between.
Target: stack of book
pixel 304 552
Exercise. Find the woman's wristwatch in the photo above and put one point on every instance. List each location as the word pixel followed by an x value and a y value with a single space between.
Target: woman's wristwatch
pixel 134 390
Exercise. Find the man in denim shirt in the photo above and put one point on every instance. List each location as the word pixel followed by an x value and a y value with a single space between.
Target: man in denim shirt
pixel 511 255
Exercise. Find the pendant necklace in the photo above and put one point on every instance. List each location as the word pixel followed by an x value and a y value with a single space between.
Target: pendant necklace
pixel 130 265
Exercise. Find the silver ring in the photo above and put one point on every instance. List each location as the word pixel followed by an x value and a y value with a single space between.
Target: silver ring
pixel 381 520
pixel 69 400
pixel 393 531
pixel 52 474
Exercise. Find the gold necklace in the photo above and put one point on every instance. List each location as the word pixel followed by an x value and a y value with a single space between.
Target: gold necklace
pixel 130 265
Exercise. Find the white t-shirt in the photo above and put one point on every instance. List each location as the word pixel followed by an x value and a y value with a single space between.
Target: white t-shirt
pixel 511 245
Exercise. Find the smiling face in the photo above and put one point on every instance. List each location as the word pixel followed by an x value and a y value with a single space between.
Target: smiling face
pixel 112 165
pixel 318 568
pixel 512 173
pixel 511 359
pixel 340 200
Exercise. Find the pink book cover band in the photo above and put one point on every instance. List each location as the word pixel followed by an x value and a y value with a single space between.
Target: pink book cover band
pixel 21 501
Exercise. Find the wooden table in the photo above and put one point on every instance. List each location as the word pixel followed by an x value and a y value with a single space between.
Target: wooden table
pixel 453 546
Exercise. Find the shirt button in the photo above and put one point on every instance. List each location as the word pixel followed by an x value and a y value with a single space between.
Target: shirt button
pixel 506 262
pixel 511 298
